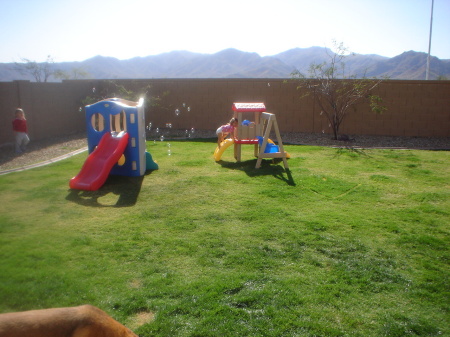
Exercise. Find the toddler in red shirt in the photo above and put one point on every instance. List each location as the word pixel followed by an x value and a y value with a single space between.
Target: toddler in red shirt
pixel 20 130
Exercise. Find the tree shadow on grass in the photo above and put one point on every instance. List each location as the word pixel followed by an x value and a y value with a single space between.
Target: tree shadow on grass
pixel 118 191
pixel 351 151
pixel 267 168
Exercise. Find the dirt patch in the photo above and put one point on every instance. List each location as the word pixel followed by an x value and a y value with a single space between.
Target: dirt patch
pixel 140 319
pixel 135 284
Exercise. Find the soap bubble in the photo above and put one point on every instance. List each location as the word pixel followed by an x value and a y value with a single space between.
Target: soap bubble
pixel 184 105
pixel 169 153
pixel 268 84
pixel 189 108
pixel 80 109
pixel 192 131
pixel 169 125
pixel 161 138
pixel 177 112
pixel 149 126
pixel 157 130
pixel 93 89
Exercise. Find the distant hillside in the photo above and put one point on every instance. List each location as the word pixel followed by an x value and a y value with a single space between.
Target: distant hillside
pixel 410 65
pixel 232 63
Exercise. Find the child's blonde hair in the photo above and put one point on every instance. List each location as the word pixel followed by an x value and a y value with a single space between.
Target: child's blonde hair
pixel 232 120
pixel 19 110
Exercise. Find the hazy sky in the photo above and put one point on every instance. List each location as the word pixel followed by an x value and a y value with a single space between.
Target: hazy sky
pixel 75 30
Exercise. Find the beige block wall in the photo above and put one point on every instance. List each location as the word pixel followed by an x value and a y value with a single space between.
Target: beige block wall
pixel 415 108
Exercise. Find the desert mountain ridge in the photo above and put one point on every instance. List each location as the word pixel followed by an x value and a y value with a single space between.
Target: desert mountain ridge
pixel 233 63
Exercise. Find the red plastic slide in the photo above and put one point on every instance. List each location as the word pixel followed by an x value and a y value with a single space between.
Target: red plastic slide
pixel 97 166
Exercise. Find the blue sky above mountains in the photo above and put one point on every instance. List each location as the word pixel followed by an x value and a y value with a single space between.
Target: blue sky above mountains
pixel 76 30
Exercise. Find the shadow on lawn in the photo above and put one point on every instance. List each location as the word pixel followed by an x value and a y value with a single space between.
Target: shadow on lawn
pixel 118 191
pixel 266 168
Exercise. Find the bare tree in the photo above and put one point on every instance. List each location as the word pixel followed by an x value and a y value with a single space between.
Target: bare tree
pixel 41 72
pixel 335 91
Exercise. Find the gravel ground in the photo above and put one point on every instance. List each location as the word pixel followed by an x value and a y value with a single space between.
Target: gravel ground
pixel 44 150
pixel 40 151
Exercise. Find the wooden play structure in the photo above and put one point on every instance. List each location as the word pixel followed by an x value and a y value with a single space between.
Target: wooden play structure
pixel 256 133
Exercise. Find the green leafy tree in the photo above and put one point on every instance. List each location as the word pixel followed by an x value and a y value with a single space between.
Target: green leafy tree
pixel 336 92
pixel 75 73
pixel 110 89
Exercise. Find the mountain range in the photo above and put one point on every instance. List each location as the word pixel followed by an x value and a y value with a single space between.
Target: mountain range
pixel 232 63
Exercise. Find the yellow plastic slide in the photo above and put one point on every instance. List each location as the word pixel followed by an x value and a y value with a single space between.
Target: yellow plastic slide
pixel 223 146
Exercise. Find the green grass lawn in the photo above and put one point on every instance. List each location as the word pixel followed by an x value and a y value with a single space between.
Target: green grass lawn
pixel 348 243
